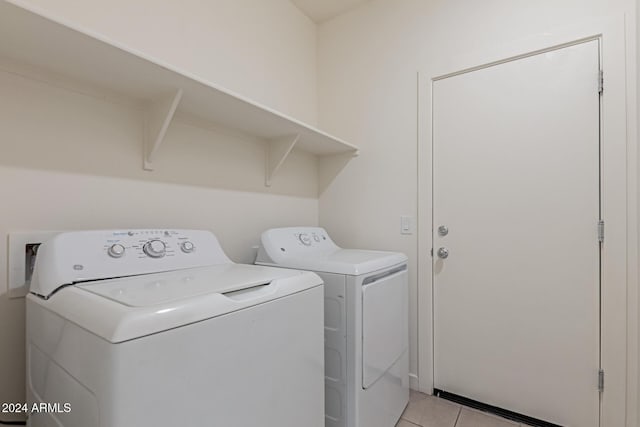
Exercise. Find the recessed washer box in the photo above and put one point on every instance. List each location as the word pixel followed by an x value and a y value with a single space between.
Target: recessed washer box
pixel 23 247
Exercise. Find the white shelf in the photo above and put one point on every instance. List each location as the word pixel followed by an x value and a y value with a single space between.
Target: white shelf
pixel 29 37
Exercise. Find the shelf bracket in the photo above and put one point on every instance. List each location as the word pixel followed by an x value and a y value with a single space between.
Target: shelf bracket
pixel 157 119
pixel 277 152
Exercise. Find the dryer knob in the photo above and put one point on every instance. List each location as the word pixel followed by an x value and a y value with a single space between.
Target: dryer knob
pixel 305 239
pixel 155 248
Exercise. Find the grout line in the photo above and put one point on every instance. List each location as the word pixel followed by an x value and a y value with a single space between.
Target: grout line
pixel 458 416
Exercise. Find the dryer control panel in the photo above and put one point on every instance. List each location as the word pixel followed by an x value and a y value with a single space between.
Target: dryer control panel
pixel 279 244
pixel 80 256
pixel 311 248
pixel 293 240
pixel 311 237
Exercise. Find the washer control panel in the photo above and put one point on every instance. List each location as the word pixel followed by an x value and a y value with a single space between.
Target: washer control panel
pixel 153 244
pixel 77 256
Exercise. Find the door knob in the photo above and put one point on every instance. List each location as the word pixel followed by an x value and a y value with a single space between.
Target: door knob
pixel 443 253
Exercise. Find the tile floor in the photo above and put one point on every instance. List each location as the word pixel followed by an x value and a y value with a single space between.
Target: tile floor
pixel 429 411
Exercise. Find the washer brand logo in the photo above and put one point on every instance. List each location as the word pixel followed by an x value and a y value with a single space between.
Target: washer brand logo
pixel 78 267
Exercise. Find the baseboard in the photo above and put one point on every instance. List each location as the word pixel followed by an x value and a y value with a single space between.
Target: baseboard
pixel 414 382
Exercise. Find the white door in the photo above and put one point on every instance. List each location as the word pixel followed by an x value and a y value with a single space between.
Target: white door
pixel 516 183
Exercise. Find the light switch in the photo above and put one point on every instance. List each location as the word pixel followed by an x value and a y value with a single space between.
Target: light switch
pixel 405 225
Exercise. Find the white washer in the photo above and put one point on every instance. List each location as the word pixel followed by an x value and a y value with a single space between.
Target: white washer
pixel 366 323
pixel 159 328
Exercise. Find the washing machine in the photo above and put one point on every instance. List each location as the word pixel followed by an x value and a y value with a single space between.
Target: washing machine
pixel 141 328
pixel 366 323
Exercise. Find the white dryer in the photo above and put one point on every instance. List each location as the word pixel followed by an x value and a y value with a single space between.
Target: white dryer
pixel 366 323
pixel 146 328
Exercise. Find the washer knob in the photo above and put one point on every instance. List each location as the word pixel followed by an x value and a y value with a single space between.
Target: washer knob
pixel 116 250
pixel 187 247
pixel 305 239
pixel 155 248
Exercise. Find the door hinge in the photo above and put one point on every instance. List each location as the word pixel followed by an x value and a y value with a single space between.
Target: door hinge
pixel 601 231
pixel 601 380
pixel 601 82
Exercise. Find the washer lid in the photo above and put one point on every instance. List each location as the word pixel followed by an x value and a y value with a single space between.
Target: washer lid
pixel 311 248
pixel 128 308
pixel 161 288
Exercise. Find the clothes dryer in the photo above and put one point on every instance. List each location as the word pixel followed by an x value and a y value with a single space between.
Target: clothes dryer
pixel 366 323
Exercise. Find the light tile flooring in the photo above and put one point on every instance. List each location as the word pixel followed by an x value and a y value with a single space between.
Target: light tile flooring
pixel 429 411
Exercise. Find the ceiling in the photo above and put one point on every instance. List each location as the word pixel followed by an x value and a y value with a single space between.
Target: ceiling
pixel 322 10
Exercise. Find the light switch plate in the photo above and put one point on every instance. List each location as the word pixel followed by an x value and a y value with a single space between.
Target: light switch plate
pixel 17 259
pixel 405 225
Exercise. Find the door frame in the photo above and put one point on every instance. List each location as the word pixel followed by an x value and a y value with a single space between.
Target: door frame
pixel 619 298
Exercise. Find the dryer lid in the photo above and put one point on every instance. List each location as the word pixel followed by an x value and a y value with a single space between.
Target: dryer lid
pixel 311 248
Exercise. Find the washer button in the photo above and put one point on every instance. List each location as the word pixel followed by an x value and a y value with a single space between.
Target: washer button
pixel 187 247
pixel 116 251
pixel 155 248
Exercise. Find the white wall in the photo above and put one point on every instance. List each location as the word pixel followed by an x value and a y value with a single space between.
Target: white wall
pixel 72 158
pixel 367 86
